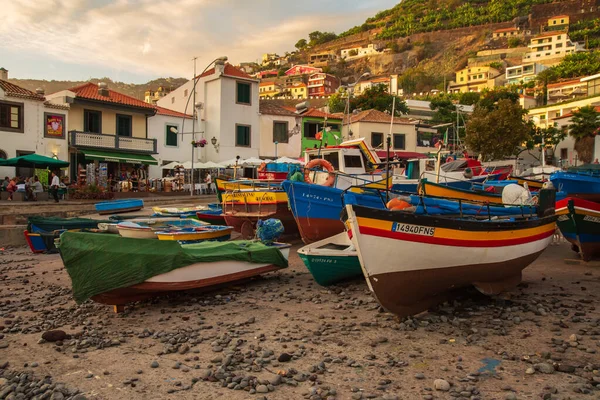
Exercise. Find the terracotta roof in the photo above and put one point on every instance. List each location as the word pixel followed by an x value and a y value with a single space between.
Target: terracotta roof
pixel 313 112
pixel 506 30
pixel 269 108
pixel 229 70
pixel 378 117
pixel 548 34
pixel 57 106
pixel 171 113
pixel 267 83
pixel 568 115
pixel 378 80
pixel 90 91
pixel 17 91
pixel 559 16
pixel 565 83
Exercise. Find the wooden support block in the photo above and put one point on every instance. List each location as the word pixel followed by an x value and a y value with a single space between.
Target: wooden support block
pixel 578 261
pixel 119 309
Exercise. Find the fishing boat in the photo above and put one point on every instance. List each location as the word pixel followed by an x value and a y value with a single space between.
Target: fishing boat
pixel 196 234
pixel 184 212
pixel 579 182
pixel 51 224
pixel 448 253
pixel 133 230
pixel 212 216
pixel 113 270
pixel 579 223
pixel 532 184
pixel 438 190
pixel 119 206
pixel 331 260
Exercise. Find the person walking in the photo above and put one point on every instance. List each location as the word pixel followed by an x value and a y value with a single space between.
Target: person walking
pixel 54 186
pixel 11 188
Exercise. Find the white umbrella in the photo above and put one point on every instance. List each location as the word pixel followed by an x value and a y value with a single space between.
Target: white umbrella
pixel 210 165
pixel 187 165
pixel 287 160
pixel 254 161
pixel 232 162
pixel 171 165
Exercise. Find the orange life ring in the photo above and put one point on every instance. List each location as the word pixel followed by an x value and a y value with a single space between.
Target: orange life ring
pixel 262 167
pixel 323 164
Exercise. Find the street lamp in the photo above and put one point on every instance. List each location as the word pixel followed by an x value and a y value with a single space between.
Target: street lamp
pixel 276 143
pixel 219 60
pixel 350 88
pixel 213 141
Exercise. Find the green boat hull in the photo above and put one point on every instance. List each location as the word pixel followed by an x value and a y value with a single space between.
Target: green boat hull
pixel 328 270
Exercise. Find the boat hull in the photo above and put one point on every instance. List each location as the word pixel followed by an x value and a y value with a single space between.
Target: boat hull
pixel 329 266
pixel 583 186
pixel 579 222
pixel 412 185
pixel 447 254
pixel 119 206
pixel 195 276
pixel 184 237
pixel 317 208
pixel 212 217
pixel 136 233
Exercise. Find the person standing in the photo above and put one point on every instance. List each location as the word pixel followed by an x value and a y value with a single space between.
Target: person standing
pixel 36 187
pixel 11 188
pixel 54 186
pixel 208 181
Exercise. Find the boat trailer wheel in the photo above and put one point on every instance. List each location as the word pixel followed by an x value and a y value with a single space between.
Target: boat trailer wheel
pixel 247 230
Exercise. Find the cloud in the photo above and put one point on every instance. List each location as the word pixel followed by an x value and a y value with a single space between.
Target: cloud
pixel 160 37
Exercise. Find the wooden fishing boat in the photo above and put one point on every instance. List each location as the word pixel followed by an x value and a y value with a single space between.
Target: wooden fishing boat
pixel 183 212
pixel 437 190
pixel 113 270
pixel 579 223
pixel 213 217
pixel 196 235
pixel 243 208
pixel 331 260
pixel 578 183
pixel 532 184
pixel 119 206
pixel 51 224
pixel 133 230
pixel 448 253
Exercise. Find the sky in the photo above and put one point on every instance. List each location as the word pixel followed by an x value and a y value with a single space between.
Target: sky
pixel 135 41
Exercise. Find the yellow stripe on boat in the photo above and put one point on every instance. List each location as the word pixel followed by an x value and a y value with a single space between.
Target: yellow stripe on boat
pixel 382 184
pixel 194 235
pixel 431 189
pixel 445 233
pixel 254 197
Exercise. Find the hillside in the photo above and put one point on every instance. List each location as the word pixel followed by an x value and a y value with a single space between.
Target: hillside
pixel 134 90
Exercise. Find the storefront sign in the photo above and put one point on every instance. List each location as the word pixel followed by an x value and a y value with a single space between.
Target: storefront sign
pixel 54 125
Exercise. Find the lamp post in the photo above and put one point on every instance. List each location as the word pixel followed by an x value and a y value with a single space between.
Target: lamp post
pixel 276 143
pixel 219 60
pixel 350 88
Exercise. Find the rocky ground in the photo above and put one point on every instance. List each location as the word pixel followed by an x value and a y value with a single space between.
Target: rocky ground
pixel 284 337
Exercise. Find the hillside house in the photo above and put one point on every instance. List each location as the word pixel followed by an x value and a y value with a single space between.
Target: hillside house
pixel 506 33
pixel 353 53
pixel 561 91
pixel 280 131
pixel 152 96
pixel 475 79
pixel 321 59
pixel 559 22
pixel 302 70
pixel 551 47
pixel 523 73
pixel 367 84
pixel 268 90
pixel 322 84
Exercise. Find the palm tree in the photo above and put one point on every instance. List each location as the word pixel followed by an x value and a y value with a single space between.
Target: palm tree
pixel 585 124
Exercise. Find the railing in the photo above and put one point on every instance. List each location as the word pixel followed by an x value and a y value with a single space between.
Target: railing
pixel 112 142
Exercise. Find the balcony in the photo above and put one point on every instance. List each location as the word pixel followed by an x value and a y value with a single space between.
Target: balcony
pixel 112 142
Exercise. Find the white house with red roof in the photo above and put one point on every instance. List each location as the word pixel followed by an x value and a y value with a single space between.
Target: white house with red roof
pixel 227 110
pixel 29 124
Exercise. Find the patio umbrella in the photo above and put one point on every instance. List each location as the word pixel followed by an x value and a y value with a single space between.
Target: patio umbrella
pixel 287 160
pixel 35 161
pixel 255 161
pixel 171 165
pixel 211 165
pixel 229 163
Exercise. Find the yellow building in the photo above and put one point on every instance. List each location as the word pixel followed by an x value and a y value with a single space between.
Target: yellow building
pixel 475 79
pixel 152 96
pixel 267 90
pixel 558 21
pixel 298 91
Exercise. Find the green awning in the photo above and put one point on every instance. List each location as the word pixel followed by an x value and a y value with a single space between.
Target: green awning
pixel 112 156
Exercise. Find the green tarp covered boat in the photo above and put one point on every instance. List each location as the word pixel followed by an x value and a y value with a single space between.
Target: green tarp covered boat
pixel 114 270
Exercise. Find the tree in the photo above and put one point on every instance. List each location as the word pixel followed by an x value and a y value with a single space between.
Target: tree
pixel 469 98
pixel 301 44
pixel 514 42
pixel 337 103
pixel 318 37
pixel 584 126
pixel 498 131
pixel 578 64
pixel 550 137
pixel 378 98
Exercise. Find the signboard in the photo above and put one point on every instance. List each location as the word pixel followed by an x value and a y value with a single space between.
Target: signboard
pixel 54 125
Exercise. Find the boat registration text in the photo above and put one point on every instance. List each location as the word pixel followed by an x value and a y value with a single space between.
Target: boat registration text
pixel 591 219
pixel 413 229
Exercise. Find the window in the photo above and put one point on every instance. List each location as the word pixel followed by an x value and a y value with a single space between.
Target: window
pixel 242 135
pixel 171 137
pixel 564 154
pixel 185 93
pixel 11 117
pixel 376 139
pixel 280 132
pixel 92 121
pixel 243 93
pixel 312 128
pixel 558 45
pixel 3 155
pixel 123 125
pixel 399 141
pixel 173 100
pixel 352 162
pixel 558 37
